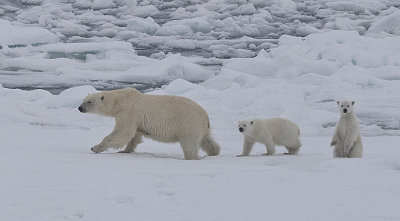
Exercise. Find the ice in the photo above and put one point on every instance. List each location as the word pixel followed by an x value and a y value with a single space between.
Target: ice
pixel 389 24
pixel 102 4
pixel 100 63
pixel 153 23
pixel 83 4
pixel 346 6
pixel 147 25
pixel 16 35
pixel 238 59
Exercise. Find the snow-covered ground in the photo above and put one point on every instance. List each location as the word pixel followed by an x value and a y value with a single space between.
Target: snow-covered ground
pixel 47 171
pixel 290 59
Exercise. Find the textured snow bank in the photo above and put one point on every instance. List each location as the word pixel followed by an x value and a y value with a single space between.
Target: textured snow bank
pixel 307 74
pixel 100 63
pixel 154 24
pixel 12 34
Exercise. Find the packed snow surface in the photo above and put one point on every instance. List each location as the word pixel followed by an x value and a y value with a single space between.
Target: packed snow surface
pixel 237 59
pixel 48 172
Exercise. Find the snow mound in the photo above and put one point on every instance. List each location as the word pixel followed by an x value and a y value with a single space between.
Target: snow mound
pixel 389 24
pixel 17 35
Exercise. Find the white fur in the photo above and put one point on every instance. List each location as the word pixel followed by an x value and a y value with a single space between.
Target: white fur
pixel 162 118
pixel 270 132
pixel 347 138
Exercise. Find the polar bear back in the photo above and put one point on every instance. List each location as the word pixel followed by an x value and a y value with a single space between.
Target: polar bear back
pixel 168 118
pixel 283 132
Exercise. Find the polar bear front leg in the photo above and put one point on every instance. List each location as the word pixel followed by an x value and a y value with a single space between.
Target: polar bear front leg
pixel 270 149
pixel 334 138
pixel 248 144
pixel 269 144
pixel 118 138
pixel 131 146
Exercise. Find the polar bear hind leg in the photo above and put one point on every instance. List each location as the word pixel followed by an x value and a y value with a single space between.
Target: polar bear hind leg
pixel 338 150
pixel 190 148
pixel 294 149
pixel 356 150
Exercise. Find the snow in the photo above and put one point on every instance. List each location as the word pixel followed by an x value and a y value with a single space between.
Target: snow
pixel 147 25
pixel 389 24
pixel 239 60
pixel 102 4
pixel 152 24
pixel 16 35
pixel 100 63
pixel 50 174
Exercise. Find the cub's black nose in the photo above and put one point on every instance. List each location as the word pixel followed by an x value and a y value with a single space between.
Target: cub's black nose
pixel 241 129
pixel 344 110
pixel 81 109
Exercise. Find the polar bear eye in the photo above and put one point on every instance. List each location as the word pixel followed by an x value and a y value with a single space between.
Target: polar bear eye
pixel 89 102
pixel 342 105
pixel 348 106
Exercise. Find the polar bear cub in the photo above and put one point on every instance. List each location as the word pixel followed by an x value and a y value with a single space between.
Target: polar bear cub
pixel 163 118
pixel 270 132
pixel 347 139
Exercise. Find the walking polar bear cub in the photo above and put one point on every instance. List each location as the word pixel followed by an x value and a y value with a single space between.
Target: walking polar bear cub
pixel 270 132
pixel 163 118
pixel 347 139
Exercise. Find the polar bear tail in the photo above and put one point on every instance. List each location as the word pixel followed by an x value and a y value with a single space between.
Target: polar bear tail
pixel 209 145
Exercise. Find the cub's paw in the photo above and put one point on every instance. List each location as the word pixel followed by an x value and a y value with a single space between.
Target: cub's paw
pixel 241 155
pixel 333 143
pixel 125 151
pixel 97 149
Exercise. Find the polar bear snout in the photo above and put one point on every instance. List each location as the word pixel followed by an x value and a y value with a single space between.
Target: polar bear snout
pixel 241 129
pixel 81 109
pixel 345 110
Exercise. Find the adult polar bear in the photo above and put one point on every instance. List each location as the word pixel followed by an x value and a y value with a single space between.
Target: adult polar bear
pixel 163 118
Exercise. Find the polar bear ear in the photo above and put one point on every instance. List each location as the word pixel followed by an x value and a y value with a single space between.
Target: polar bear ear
pixel 102 98
pixel 337 102
pixel 353 102
pixel 251 122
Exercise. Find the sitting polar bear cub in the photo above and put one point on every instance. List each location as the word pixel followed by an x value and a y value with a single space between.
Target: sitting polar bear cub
pixel 270 132
pixel 162 118
pixel 347 138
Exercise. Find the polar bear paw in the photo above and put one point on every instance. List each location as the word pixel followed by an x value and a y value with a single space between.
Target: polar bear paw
pixel 97 149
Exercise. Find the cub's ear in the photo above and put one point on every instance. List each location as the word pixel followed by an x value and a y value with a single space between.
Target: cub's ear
pixel 353 102
pixel 102 98
pixel 251 122
pixel 337 102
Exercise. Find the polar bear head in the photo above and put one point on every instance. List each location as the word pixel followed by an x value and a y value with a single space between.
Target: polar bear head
pixel 246 126
pixel 97 103
pixel 345 107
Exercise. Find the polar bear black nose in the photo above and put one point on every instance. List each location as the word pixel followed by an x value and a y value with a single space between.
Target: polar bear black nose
pixel 345 110
pixel 81 109
pixel 241 129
